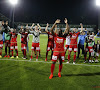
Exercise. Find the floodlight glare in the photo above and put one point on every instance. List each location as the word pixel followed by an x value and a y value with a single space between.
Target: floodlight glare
pixel 98 2
pixel 13 2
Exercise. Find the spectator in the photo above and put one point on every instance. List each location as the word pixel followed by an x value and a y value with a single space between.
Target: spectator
pixel 81 41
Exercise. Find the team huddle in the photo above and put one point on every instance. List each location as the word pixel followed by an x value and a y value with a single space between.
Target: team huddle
pixel 56 39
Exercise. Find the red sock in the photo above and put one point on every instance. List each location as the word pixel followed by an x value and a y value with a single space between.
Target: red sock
pixel 52 68
pixel 60 67
pixel 0 53
pixel 17 52
pixel 31 57
pixel 74 57
pixel 12 53
pixel 25 53
pixel 68 57
pixel 37 56
pixel 39 52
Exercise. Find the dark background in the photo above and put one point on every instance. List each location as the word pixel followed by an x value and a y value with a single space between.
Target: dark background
pixel 44 11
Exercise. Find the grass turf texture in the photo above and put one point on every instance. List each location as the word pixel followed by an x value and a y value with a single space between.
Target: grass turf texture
pixel 22 75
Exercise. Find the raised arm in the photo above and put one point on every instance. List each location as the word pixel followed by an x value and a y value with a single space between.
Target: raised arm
pixel 67 26
pixel 57 21
pixel 27 27
pixel 81 27
pixel 32 26
pixel 98 33
pixel 55 29
pixel 21 29
pixel 39 27
pixel 46 29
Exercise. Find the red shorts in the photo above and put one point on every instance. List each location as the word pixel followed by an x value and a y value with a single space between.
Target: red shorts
pixel 50 46
pixel 13 46
pixel 35 46
pixel 73 47
pixel 23 46
pixel 90 49
pixel 66 47
pixel 57 55
pixel 1 44
pixel 7 43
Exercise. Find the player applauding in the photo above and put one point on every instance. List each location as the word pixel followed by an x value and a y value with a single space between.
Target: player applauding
pixel 13 43
pixel 24 34
pixel 35 43
pixel 73 43
pixel 50 45
pixel 58 53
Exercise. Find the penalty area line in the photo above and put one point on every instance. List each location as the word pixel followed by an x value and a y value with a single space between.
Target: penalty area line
pixel 47 62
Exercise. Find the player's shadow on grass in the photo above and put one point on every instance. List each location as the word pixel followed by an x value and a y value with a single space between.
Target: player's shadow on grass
pixel 83 74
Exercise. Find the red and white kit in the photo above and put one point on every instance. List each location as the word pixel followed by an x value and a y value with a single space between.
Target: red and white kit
pixel 90 46
pixel 67 42
pixel 24 40
pixel 73 43
pixel 58 48
pixel 50 44
pixel 36 40
pixel 1 44
pixel 13 41
pixel 7 43
pixel 35 46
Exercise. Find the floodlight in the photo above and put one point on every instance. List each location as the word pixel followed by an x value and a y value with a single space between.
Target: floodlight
pixel 98 2
pixel 13 2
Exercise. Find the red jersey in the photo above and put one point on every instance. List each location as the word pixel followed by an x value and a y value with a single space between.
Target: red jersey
pixel 59 43
pixel 24 37
pixel 50 37
pixel 74 38
pixel 13 37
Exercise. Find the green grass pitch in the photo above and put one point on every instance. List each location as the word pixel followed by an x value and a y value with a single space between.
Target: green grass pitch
pixel 25 75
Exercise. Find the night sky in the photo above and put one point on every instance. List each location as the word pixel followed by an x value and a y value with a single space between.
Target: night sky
pixel 44 11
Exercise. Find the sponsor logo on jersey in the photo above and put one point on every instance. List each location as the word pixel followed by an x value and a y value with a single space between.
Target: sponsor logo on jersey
pixel 59 40
pixel 74 36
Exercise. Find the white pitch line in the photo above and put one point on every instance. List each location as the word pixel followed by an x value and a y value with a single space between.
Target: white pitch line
pixel 47 62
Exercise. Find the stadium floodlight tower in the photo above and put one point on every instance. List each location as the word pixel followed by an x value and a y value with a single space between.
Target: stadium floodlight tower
pixel 13 2
pixel 98 4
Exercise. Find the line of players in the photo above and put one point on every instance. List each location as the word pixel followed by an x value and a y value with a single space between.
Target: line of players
pixel 71 41
pixel 71 44
pixel 10 36
pixel 56 44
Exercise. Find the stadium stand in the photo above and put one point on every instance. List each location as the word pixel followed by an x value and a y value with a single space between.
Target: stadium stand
pixel 18 24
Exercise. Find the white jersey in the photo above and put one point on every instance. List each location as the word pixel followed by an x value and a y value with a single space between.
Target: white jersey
pixel 91 37
pixel 68 40
pixel 36 36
